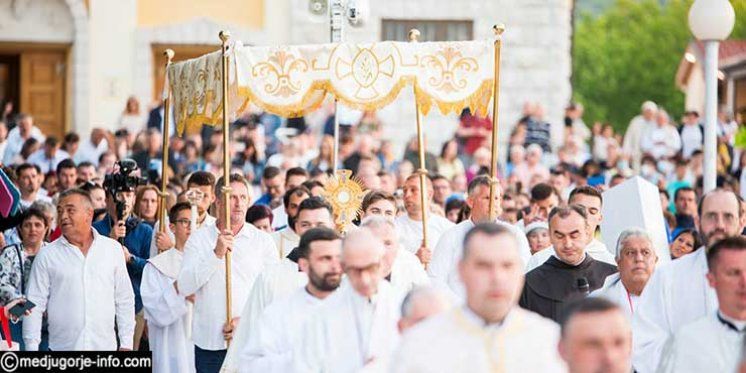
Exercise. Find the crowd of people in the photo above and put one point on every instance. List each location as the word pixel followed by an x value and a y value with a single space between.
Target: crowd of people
pixel 90 266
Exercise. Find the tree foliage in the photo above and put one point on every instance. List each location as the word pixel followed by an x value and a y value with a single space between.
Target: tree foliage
pixel 630 53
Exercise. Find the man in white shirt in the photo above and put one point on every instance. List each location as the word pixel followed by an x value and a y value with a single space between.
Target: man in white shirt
pixel 203 273
pixel 278 280
pixel 489 332
pixel 81 282
pixel 48 157
pixel 714 343
pixel 637 127
pixel 29 184
pixel 201 182
pixel 443 269
pixel 18 136
pixel 590 199
pixel 167 311
pixel 661 141
pixel 400 267
pixel 635 258
pixel 91 149
pixel 409 225
pixel 270 345
pixel 692 134
pixel 596 337
pixel 355 328
pixel 286 239
pixel 677 293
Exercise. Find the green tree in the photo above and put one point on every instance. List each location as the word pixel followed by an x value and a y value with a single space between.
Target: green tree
pixel 630 53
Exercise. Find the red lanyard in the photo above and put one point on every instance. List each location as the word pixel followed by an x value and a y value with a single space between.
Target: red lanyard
pixel 6 327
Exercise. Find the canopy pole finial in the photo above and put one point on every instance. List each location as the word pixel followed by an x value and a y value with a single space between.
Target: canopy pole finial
pixel 498 30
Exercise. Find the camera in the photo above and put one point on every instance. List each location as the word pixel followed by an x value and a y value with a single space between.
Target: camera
pixel 122 181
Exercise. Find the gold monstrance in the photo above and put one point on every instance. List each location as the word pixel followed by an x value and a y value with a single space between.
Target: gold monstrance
pixel 345 194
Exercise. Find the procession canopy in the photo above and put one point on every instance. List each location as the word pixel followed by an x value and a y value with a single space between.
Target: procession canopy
pixel 292 80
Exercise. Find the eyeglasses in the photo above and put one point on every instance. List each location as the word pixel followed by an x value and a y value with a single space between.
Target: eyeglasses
pixel 183 221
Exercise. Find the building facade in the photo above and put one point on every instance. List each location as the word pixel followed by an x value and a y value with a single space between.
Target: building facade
pixel 74 63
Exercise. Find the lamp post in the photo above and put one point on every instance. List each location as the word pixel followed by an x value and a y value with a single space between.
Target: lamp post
pixel 711 21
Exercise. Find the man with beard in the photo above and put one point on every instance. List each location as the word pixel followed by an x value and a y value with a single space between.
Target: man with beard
pixel 269 348
pixel 286 239
pixel 677 293
pixel 279 280
pixel 202 182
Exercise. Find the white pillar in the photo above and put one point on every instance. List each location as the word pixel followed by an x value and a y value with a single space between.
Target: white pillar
pixel 711 98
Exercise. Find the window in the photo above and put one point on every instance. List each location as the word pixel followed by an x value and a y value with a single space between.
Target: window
pixel 440 30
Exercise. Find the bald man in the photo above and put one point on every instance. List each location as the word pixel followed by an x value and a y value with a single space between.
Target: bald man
pixel 422 303
pixel 356 327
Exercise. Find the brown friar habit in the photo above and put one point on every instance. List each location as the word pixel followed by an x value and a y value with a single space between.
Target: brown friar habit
pixel 553 283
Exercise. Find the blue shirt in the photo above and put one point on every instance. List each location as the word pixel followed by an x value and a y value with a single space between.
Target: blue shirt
pixel 137 242
pixel 264 200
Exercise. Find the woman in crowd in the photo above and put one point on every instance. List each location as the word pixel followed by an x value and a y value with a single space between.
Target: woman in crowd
pixel 448 163
pixel 261 217
pixel 16 260
pixel 146 203
pixel 685 241
pixel 323 161
pixel 132 119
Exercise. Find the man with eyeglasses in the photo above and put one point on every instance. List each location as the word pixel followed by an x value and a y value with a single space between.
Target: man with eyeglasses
pixel 635 258
pixel 356 327
pixel 589 199
pixel 166 309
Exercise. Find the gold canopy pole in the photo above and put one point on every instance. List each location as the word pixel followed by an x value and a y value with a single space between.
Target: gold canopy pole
pixel 413 35
pixel 499 29
pixel 163 208
pixel 224 36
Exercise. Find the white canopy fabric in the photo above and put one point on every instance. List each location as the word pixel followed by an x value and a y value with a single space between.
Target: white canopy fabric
pixel 292 80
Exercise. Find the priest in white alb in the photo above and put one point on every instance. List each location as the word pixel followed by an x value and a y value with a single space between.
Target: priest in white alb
pixel 443 268
pixel 167 311
pixel 490 332
pixel 636 259
pixel 409 225
pixel 355 328
pixel 203 273
pixel 590 199
pixel 286 239
pixel 270 345
pixel 677 293
pixel 278 280
pixel 714 343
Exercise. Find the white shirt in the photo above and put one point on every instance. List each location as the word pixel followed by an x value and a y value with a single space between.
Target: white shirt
pixel 661 141
pixel 443 268
pixel 270 345
pixel 614 291
pixel 407 272
pixel 410 231
pixel 81 295
pixel 203 274
pixel 459 341
pixel 596 249
pixel 209 220
pixel 40 159
pixel 40 196
pixel 691 139
pixel 89 152
pixel 15 143
pixel 675 295
pixel 706 345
